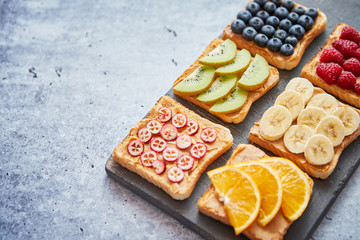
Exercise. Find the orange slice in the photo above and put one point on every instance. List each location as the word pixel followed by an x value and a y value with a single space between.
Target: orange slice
pixel 269 185
pixel 239 194
pixel 297 186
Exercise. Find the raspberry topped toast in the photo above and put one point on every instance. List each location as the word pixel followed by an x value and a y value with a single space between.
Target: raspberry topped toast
pixel 336 67
pixel 280 31
pixel 172 146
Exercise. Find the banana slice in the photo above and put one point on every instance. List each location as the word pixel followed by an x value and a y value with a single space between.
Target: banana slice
pixel 324 101
pixel 311 116
pixel 318 150
pixel 302 86
pixel 292 100
pixel 331 127
pixel 349 117
pixel 274 123
pixel 296 137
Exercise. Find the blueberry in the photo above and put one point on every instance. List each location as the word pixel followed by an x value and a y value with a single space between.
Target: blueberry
pixel 260 2
pixel 306 21
pixel 268 30
pixel 293 17
pixel 273 21
pixel 270 7
pixel 274 44
pixel 253 7
pixel 287 49
pixel 237 26
pixel 291 40
pixel 281 12
pixel 297 31
pixel 312 12
pixel 249 33
pixel 263 15
pixel 299 10
pixel 261 40
pixel 280 34
pixel 288 4
pixel 256 23
pixel 244 15
pixel 277 2
pixel 285 24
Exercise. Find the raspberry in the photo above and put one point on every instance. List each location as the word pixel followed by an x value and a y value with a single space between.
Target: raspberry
pixel 346 47
pixel 350 33
pixel 346 80
pixel 352 65
pixel 330 54
pixel 329 72
pixel 358 53
pixel 357 88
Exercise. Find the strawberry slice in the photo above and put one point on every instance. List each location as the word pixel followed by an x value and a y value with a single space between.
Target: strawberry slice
pixel 183 141
pixel 170 154
pixel 135 147
pixel 198 150
pixel 144 135
pixel 158 144
pixel 148 157
pixel 185 162
pixel 175 174
pixel 192 127
pixel 208 135
pixel 154 126
pixel 165 114
pixel 169 132
pixel 179 120
pixel 159 166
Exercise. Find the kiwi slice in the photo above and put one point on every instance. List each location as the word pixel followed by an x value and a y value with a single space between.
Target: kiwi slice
pixel 221 87
pixel 255 75
pixel 240 63
pixel 231 103
pixel 221 55
pixel 197 82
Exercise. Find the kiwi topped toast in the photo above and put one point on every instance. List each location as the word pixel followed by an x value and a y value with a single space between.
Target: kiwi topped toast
pixel 226 84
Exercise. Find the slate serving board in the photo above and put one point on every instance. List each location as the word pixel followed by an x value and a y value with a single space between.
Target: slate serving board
pixel 324 192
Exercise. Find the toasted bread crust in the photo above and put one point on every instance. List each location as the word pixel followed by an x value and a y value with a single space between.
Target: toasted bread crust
pixel 276 59
pixel 309 72
pixel 239 115
pixel 182 190
pixel 278 148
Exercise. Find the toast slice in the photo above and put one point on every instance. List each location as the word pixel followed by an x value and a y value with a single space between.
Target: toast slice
pixel 278 148
pixel 209 205
pixel 309 72
pixel 183 189
pixel 275 58
pixel 239 115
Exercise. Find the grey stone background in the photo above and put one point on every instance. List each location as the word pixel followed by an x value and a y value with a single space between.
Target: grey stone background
pixel 75 76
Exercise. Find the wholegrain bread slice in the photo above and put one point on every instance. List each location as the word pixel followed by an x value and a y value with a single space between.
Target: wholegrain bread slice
pixel 275 58
pixel 309 72
pixel 239 115
pixel 278 148
pixel 182 190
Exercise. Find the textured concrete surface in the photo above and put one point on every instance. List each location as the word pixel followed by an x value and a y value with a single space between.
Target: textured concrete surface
pixel 74 77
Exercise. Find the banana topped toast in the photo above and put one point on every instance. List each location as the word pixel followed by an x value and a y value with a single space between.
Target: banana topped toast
pixel 280 31
pixel 226 81
pixel 336 66
pixel 172 146
pixel 272 218
pixel 307 126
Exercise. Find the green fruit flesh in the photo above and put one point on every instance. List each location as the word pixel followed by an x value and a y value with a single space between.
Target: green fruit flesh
pixel 197 82
pixel 221 87
pixel 255 75
pixel 240 63
pixel 221 55
pixel 232 102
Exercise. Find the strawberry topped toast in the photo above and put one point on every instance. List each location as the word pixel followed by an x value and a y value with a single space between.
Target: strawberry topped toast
pixel 172 146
